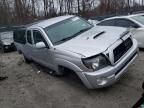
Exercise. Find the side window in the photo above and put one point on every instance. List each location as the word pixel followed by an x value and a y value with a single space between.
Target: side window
pixel 126 23
pixel 29 37
pixel 107 23
pixel 134 25
pixel 38 37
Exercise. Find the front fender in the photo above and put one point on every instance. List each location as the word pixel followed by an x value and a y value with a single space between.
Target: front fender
pixel 75 68
pixel 67 64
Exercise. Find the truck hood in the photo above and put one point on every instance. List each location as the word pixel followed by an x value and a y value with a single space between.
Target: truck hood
pixel 86 45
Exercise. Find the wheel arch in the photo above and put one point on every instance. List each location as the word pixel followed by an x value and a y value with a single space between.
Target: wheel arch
pixel 67 64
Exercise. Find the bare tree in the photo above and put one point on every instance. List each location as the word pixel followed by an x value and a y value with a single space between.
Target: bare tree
pixel 78 6
pixel 45 2
pixel 60 3
pixel 23 11
pixel 33 2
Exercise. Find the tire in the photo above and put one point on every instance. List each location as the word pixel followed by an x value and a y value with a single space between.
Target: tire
pixel 19 51
pixel 26 60
pixel 52 73
pixel 56 74
pixel 63 71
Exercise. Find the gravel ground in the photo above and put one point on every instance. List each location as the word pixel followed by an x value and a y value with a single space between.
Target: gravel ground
pixel 29 86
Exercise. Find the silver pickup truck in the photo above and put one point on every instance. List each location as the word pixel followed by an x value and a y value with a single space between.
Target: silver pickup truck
pixel 98 55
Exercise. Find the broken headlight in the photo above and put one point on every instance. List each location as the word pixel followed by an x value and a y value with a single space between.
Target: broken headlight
pixel 96 63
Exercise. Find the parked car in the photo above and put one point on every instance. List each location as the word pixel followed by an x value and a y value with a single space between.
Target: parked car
pixel 98 55
pixel 6 41
pixel 134 22
pixel 100 18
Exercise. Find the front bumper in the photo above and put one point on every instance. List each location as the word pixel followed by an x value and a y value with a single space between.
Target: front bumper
pixel 109 75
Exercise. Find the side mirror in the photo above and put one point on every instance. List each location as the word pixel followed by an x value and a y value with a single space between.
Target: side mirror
pixel 40 45
pixel 92 22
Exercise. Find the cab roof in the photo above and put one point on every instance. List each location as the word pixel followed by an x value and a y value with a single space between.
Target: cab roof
pixel 48 22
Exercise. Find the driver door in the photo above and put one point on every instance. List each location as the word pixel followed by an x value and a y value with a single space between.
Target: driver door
pixel 43 56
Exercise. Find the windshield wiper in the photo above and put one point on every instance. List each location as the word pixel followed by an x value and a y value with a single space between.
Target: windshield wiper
pixel 63 40
pixel 70 37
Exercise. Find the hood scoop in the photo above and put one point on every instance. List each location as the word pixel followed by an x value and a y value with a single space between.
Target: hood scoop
pixel 99 34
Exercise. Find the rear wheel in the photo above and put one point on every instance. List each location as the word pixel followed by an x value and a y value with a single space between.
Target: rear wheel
pixel 19 51
pixel 26 60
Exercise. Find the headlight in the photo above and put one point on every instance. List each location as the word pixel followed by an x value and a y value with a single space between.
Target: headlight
pixel 96 63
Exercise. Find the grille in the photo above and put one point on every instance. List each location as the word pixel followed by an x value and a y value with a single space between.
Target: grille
pixel 122 49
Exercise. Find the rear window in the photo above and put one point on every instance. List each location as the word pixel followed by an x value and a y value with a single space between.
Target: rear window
pixel 19 36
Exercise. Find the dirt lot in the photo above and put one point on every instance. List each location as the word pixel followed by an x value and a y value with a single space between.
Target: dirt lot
pixel 29 86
